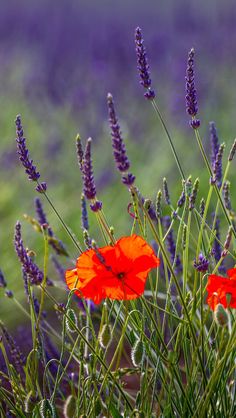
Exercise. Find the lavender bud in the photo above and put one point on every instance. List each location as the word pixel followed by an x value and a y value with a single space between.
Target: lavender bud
pixel 202 207
pixel 142 65
pixel 9 294
pixel 87 239
pixel 217 169
pixel 79 151
pixel 88 179
pixel 214 142
pixel 191 98
pixel 188 186
pixel 158 204
pixel 29 267
pixel 96 206
pixel 166 192
pixel 41 187
pixel 232 151
pixel 184 236
pixel 23 152
pixel 171 244
pixel 226 195
pixel 128 179
pixel 3 282
pixel 181 200
pixel 227 242
pixel 119 149
pixel 216 248
pixel 193 196
pixel 201 264
pixel 84 214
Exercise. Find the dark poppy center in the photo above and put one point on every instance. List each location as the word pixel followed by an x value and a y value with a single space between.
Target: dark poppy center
pixel 120 275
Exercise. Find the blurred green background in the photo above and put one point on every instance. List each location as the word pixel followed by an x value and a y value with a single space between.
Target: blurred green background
pixel 58 62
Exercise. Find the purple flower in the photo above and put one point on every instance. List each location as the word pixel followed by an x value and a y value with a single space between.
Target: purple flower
pixel 119 150
pixel 143 67
pixel 232 151
pixel 214 142
pixel 23 153
pixel 166 191
pixel 201 264
pixel 191 98
pixel 79 151
pixel 89 185
pixel 226 195
pixel 217 168
pixel 84 214
pixel 3 282
pixel 29 267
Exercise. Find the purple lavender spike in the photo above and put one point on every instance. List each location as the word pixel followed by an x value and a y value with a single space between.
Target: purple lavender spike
pixel 142 65
pixel 30 268
pixel 84 214
pixel 23 153
pixel 217 168
pixel 89 188
pixel 201 264
pixel 214 142
pixel 226 195
pixel 121 159
pixel 79 151
pixel 191 98
pixel 59 268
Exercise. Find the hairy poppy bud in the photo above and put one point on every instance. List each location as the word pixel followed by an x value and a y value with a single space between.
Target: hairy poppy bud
pixel 221 315
pixel 105 336
pixel 137 353
pixel 69 409
pixel 71 320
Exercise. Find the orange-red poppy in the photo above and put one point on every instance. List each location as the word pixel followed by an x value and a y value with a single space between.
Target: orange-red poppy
pixel 222 290
pixel 115 272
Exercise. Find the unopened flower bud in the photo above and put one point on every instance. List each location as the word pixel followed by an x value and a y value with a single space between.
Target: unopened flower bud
pixel 69 409
pixel 221 315
pixel 71 320
pixel 137 353
pixel 105 336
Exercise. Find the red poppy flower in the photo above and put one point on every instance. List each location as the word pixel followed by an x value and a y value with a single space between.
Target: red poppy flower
pixel 117 272
pixel 219 287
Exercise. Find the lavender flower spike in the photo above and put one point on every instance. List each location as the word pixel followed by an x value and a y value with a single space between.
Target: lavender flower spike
pixel 119 150
pixel 191 98
pixel 143 66
pixel 29 267
pixel 23 153
pixel 214 142
pixel 3 282
pixel 88 179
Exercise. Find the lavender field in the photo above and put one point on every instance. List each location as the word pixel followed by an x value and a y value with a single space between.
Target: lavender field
pixel 157 178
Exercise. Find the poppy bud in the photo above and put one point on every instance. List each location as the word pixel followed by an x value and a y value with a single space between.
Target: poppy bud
pixel 105 336
pixel 69 409
pixel 137 353
pixel 221 315
pixel 71 320
pixel 46 409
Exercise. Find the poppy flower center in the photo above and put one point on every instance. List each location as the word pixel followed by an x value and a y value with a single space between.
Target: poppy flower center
pixel 120 275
